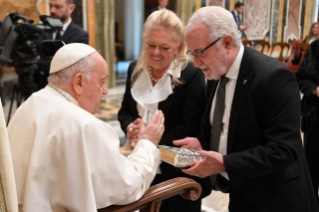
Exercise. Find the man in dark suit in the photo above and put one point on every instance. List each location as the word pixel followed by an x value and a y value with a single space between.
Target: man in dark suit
pixel 71 33
pixel 251 125
pixel 239 9
pixel 162 4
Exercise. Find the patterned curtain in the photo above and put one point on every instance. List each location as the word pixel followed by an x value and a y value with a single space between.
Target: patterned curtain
pixel 185 9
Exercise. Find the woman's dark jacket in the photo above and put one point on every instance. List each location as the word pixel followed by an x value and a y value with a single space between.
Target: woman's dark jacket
pixel 308 80
pixel 183 110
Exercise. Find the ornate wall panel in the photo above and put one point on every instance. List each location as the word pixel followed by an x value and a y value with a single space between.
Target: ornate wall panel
pixel 292 29
pixel 215 3
pixel 274 21
pixel 256 19
pixel 26 8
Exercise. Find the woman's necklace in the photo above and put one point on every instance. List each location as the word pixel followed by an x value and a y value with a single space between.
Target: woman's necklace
pixel 151 75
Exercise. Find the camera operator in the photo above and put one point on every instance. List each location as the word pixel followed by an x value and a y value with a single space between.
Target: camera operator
pixel 71 33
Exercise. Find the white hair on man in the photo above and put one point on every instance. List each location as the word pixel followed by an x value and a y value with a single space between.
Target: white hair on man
pixel 219 22
pixel 66 75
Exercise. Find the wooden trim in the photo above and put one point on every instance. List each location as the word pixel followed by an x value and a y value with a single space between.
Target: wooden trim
pixel 91 23
pixel 151 200
pixel 280 19
pixel 306 23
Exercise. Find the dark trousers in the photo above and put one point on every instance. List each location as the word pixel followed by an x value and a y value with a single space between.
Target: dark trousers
pixel 177 203
pixel 238 203
pixel 311 140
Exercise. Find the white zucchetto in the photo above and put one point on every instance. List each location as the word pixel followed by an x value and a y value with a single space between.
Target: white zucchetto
pixel 68 55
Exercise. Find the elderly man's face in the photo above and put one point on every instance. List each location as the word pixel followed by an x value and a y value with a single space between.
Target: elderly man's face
pixel 96 87
pixel 214 63
pixel 61 10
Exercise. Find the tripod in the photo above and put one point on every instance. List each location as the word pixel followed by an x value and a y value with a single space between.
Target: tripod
pixel 25 86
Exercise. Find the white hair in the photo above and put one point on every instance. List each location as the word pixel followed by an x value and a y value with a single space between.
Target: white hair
pixel 219 22
pixel 65 76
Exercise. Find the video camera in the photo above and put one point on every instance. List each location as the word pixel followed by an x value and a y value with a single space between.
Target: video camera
pixel 19 40
pixel 19 46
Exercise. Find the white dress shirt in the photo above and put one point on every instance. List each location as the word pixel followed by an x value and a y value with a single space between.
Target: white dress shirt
pixel 65 26
pixel 232 74
pixel 161 8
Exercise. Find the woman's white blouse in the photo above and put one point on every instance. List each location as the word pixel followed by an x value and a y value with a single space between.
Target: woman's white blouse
pixel 148 96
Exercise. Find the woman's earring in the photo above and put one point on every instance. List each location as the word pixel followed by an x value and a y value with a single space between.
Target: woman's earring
pixel 175 59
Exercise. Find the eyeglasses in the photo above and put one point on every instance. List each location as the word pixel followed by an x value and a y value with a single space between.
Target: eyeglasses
pixel 200 53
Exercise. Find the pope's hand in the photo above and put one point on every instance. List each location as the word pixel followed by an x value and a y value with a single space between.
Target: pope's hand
pixel 154 129
pixel 188 143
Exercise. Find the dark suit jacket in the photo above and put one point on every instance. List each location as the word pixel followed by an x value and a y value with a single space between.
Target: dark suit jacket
pixel 265 160
pixel 73 34
pixel 183 110
pixel 153 10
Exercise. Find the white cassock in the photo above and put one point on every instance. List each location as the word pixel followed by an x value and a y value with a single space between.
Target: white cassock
pixel 65 159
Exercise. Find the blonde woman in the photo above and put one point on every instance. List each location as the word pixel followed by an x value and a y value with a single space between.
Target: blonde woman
pixel 163 78
pixel 313 35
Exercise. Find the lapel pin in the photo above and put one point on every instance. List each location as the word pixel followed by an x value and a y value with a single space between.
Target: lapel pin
pixel 244 82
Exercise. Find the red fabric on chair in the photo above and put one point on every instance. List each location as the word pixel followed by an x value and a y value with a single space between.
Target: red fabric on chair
pixel 293 68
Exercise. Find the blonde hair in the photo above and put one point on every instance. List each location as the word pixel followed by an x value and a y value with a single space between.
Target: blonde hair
pixel 310 35
pixel 164 20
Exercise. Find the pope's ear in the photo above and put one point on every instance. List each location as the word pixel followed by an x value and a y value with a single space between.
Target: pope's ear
pixel 77 83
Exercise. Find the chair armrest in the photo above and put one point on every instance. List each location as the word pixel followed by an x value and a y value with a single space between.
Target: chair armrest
pixel 152 199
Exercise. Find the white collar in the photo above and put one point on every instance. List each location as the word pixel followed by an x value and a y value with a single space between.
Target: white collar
pixel 234 69
pixel 65 95
pixel 235 12
pixel 67 24
pixel 161 8
pixel 147 95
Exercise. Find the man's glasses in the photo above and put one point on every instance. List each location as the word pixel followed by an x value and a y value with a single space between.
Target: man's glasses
pixel 200 53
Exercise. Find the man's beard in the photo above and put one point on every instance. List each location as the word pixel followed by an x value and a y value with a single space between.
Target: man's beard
pixel 62 17
pixel 215 74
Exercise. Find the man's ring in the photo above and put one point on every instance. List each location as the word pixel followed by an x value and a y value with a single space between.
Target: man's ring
pixel 130 129
pixel 197 175
pixel 162 126
pixel 133 144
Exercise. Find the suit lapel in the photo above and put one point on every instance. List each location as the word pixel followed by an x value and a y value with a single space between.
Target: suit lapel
pixel 67 35
pixel 243 84
pixel 165 105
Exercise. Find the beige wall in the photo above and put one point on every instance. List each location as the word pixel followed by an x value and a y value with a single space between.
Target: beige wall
pixel 27 8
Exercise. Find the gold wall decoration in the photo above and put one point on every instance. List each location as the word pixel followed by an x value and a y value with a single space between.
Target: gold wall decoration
pixel 24 7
